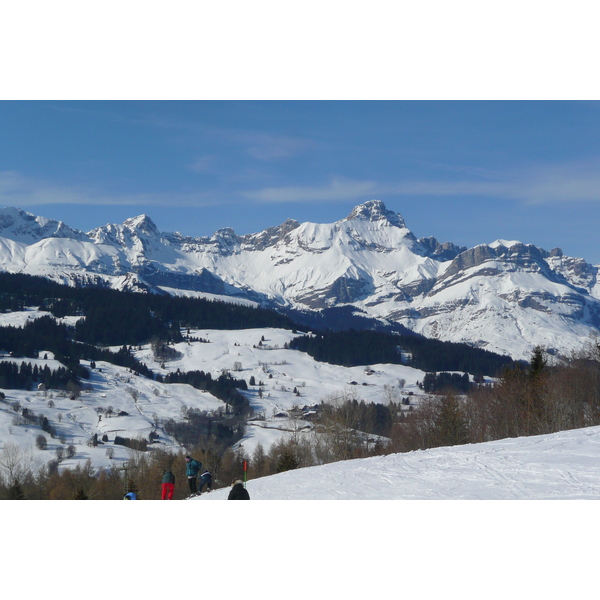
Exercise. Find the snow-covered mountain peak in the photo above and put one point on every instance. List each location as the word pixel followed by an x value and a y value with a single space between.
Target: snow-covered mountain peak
pixel 142 224
pixel 375 210
pixel 135 229
pixel 24 227
pixel 504 243
pixel 272 235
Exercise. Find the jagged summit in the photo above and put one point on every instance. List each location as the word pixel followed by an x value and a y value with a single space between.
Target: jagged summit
pixel 143 224
pixel 22 226
pixel 140 227
pixel 375 210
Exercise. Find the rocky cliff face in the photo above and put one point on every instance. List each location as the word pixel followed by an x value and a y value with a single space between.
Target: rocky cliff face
pixel 503 296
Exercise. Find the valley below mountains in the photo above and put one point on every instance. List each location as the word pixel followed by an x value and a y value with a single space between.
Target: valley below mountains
pixel 366 270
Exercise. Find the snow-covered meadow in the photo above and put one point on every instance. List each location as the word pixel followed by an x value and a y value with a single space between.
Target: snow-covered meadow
pixel 115 401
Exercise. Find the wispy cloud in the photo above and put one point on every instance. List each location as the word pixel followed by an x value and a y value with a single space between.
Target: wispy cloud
pixel 349 189
pixel 550 183
pixel 265 146
pixel 16 190
pixel 261 145
pixel 270 147
pixel 203 164
pixel 336 189
pixel 565 183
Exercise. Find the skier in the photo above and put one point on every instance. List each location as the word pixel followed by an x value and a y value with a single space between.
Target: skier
pixel 205 480
pixel 168 485
pixel 130 496
pixel 191 470
pixel 238 491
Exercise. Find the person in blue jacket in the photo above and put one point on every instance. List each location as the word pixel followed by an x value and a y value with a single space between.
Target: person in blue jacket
pixel 205 480
pixel 191 470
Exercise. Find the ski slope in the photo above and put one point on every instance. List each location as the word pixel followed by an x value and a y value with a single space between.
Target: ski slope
pixel 560 466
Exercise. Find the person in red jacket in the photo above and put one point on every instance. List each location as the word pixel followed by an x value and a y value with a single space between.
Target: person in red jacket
pixel 168 485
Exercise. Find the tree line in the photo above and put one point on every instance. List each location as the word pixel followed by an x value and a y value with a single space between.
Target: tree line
pixel 354 348
pixel 116 318
pixel 435 382
pixel 24 376
pixel 225 387
pixel 45 334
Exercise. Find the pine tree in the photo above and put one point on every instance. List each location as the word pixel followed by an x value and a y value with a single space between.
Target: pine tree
pixel 15 492
pixel 538 362
pixel 132 487
pixel 287 461
pixel 450 422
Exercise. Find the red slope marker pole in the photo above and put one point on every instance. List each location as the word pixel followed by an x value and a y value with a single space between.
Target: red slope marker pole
pixel 245 469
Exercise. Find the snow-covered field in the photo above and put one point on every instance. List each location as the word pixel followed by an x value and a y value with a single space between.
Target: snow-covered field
pixel 560 466
pixel 117 402
pixel 260 353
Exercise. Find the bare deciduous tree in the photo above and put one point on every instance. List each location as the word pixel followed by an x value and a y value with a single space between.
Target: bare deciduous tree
pixel 15 463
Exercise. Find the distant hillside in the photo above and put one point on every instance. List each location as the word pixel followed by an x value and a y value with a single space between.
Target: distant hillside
pixel 116 318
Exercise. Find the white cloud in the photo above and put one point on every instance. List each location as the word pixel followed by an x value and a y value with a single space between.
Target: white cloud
pixel 16 190
pixel 567 182
pixel 336 189
pixel 203 164
pixel 264 146
pixel 269 148
pixel 563 183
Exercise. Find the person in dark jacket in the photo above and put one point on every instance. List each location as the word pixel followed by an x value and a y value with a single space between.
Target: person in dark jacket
pixel 205 480
pixel 168 485
pixel 191 470
pixel 238 491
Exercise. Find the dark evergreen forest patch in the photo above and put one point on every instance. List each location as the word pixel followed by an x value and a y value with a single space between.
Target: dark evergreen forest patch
pixel 354 348
pixel 225 387
pixel 115 318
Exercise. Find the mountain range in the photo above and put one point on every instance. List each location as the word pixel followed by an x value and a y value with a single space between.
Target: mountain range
pixel 506 296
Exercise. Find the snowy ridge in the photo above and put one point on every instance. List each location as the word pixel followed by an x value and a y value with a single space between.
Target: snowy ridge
pixel 505 296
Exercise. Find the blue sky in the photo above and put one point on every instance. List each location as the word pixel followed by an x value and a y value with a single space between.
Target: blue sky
pixel 469 172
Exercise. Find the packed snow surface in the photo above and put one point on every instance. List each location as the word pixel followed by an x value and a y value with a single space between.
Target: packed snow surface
pixel 559 466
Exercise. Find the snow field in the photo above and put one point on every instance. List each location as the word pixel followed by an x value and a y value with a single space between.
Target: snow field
pixel 559 466
pixel 112 391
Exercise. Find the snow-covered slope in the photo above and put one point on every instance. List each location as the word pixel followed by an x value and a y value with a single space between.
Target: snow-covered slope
pixel 114 403
pixel 112 391
pixel 505 296
pixel 559 466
